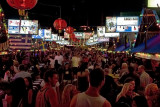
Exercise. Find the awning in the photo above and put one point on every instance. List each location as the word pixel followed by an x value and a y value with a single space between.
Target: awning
pixel 153 46
pixel 122 47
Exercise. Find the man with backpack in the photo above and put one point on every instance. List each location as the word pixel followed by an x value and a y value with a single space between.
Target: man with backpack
pixel 46 96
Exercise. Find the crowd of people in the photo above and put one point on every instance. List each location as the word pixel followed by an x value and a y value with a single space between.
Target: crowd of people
pixel 78 78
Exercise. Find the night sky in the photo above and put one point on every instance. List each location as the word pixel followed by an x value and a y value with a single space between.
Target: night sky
pixel 76 12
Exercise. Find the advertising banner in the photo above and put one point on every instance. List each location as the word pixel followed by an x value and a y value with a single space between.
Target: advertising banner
pixel 127 24
pixel 111 24
pixel 154 3
pixel 22 26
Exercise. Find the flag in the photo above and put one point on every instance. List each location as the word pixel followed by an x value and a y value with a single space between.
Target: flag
pixel 20 42
pixel 42 46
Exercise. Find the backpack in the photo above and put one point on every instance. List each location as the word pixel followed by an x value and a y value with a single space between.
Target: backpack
pixel 41 100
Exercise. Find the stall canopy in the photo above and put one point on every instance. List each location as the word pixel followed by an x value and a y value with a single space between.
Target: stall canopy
pixel 122 47
pixel 153 46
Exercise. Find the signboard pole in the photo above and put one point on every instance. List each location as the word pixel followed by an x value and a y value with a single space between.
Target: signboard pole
pixel 146 39
pixel 125 40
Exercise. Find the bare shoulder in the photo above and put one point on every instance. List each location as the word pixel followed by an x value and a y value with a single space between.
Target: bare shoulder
pixel 73 101
pixel 107 104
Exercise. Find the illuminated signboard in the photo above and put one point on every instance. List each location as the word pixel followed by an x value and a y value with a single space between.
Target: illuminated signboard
pixel 154 3
pixel 59 38
pixel 103 39
pixel 95 38
pixel 127 24
pixel 63 42
pixel 100 30
pixel 111 34
pixel 66 35
pixel 38 36
pixel 78 34
pixel 22 27
pixel 110 24
pixel 45 32
pixel 90 40
pixel 53 38
pixel 87 35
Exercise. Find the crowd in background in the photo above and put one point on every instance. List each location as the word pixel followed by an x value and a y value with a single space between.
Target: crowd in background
pixel 59 78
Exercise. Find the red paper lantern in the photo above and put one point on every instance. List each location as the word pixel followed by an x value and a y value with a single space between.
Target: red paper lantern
pixel 22 4
pixel 72 36
pixel 60 24
pixel 69 30
pixel 77 40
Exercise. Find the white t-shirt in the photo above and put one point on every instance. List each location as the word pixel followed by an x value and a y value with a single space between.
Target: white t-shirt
pixel 145 79
pixel 59 58
pixel 22 74
pixel 83 100
pixel 52 62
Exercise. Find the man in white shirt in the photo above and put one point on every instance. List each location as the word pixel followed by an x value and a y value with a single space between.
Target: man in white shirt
pixel 59 57
pixel 46 96
pixel 91 97
pixel 52 61
pixel 22 73
pixel 145 79
pixel 75 64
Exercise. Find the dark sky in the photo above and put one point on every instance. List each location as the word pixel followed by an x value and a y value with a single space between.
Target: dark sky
pixel 76 12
